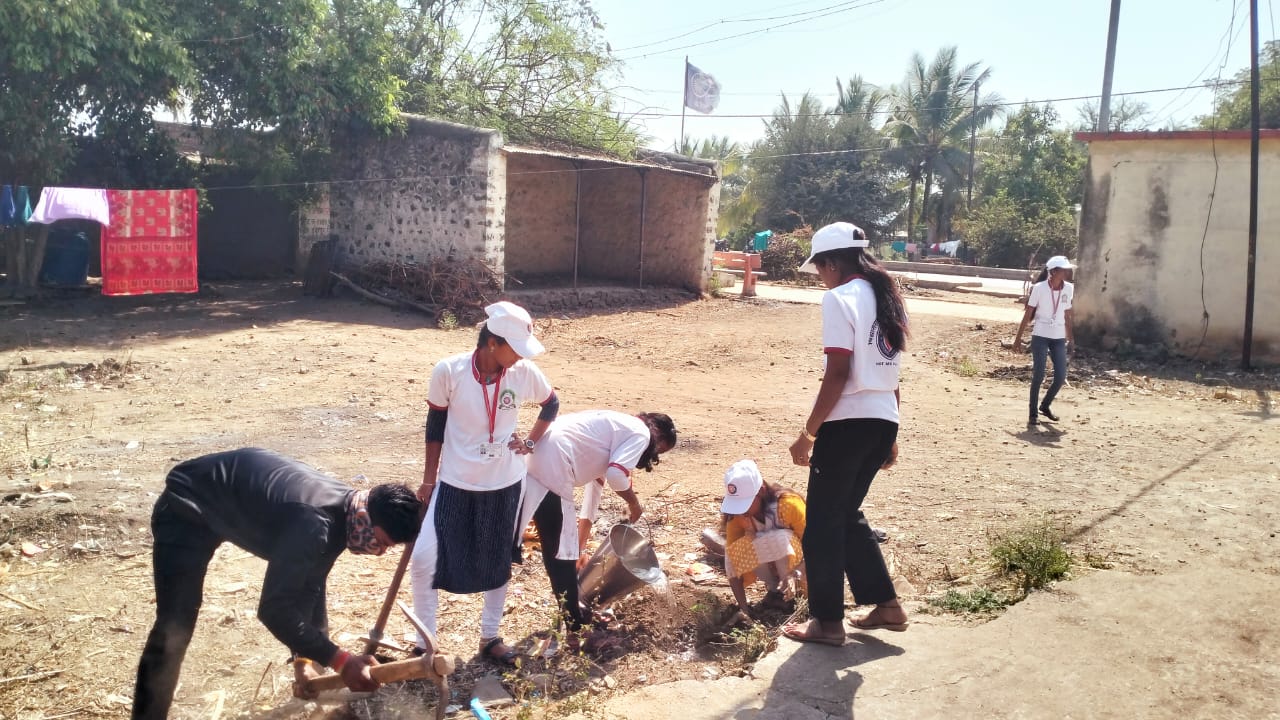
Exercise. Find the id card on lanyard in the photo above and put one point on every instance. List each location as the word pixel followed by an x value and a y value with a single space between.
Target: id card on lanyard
pixel 490 451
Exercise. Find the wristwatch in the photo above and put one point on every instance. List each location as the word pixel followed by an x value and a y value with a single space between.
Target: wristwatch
pixel 528 443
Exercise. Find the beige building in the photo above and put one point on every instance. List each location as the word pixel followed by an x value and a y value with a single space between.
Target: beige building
pixel 1164 240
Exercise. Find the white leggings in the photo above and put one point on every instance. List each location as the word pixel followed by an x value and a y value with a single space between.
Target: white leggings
pixel 426 599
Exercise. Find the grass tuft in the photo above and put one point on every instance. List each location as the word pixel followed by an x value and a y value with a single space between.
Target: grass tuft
pixel 965 367
pixel 977 601
pixel 1033 552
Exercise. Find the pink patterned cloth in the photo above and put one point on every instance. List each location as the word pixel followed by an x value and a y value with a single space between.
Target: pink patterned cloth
pixel 150 245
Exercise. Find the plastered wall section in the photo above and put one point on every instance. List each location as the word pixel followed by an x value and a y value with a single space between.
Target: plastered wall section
pixel 437 189
pixel 1157 267
pixel 679 212
pixel 540 199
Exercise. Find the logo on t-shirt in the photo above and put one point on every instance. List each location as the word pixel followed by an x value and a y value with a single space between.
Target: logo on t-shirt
pixel 882 343
pixel 507 400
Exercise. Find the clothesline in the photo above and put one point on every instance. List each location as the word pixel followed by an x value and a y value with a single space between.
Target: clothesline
pixel 149 237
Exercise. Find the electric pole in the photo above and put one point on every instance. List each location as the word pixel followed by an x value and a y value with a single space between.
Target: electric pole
pixel 1104 105
pixel 1246 360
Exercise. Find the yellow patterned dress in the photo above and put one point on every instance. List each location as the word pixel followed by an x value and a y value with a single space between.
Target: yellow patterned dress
pixel 750 543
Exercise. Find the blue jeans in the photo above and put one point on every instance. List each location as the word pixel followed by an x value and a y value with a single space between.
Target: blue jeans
pixel 1042 347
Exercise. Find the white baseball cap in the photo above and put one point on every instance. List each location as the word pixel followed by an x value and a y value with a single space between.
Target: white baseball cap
pixel 1058 262
pixel 741 483
pixel 834 237
pixel 513 324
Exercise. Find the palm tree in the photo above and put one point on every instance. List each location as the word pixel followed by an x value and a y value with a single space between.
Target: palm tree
pixel 861 99
pixel 933 115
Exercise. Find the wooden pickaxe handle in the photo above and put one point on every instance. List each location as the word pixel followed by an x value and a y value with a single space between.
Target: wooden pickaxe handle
pixel 375 634
pixel 411 669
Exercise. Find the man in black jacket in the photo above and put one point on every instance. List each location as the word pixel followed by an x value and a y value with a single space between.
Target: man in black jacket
pixel 283 511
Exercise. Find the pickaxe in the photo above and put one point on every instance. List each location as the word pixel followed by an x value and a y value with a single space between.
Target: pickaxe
pixel 431 665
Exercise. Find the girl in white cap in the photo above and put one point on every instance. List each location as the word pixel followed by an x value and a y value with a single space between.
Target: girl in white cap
pixel 852 432
pixel 1049 311
pixel 474 475
pixel 588 449
pixel 764 526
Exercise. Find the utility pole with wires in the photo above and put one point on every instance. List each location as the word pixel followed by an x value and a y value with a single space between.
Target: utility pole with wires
pixel 1104 104
pixel 1246 359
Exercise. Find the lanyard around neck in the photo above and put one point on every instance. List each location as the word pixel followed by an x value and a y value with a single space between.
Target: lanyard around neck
pixel 1056 297
pixel 490 411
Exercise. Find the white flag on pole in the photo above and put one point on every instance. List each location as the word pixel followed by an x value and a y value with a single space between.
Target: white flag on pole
pixel 701 91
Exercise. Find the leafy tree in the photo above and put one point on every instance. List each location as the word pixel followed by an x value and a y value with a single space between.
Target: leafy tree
pixel 1034 164
pixel 1030 183
pixel 1002 236
pixel 99 69
pixel 933 116
pixel 278 80
pixel 534 70
pixel 813 167
pixel 67 67
pixel 1233 102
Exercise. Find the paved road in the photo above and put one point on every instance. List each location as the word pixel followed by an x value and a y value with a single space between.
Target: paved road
pixel 993 313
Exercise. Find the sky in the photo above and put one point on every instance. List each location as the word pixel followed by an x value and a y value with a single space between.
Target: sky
pixel 1037 50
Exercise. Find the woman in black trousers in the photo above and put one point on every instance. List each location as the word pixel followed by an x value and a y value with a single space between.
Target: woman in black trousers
pixel 850 434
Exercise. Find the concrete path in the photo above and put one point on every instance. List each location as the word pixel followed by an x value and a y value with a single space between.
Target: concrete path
pixel 994 313
pixel 1083 650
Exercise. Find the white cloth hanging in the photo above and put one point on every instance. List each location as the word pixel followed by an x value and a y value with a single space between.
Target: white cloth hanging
pixel 58 203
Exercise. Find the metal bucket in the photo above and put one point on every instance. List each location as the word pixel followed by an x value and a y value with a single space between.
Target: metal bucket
pixel 624 562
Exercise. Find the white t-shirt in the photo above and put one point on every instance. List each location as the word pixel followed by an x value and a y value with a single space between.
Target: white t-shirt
pixel 851 334
pixel 1051 308
pixel 580 447
pixel 472 458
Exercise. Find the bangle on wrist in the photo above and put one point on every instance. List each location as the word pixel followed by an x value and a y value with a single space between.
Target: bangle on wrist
pixel 339 659
pixel 804 432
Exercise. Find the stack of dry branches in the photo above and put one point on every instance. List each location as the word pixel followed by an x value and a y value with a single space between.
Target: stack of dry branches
pixel 463 287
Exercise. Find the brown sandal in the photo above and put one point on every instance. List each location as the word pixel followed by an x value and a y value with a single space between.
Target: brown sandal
pixel 496 650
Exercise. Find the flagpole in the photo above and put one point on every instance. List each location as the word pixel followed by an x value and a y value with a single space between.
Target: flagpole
pixel 684 96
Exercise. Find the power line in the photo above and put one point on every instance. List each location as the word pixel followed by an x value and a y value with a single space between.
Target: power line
pixel 1019 103
pixel 738 19
pixel 989 143
pixel 845 7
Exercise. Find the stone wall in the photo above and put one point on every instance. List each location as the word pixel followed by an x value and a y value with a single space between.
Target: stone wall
pixel 436 189
pixel 1163 243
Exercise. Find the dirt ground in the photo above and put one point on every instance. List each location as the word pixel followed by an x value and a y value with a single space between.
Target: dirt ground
pixel 1152 467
